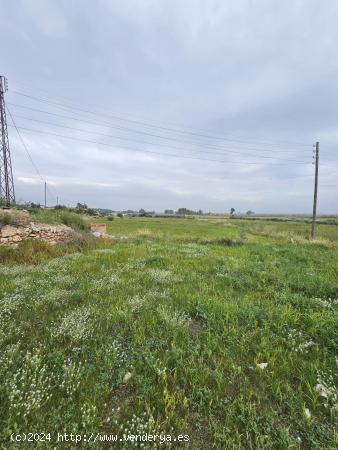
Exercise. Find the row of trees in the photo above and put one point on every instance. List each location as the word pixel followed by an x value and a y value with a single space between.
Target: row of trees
pixel 248 213
pixel 186 211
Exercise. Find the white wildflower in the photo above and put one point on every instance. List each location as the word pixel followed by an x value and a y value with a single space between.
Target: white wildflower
pixel 174 318
pixel 77 325
pixel 321 390
pixel 297 341
pixel 136 303
pixel 262 365
pixel 327 390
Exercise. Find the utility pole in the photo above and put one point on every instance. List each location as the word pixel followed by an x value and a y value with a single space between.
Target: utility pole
pixel 314 214
pixel 45 194
pixel 7 195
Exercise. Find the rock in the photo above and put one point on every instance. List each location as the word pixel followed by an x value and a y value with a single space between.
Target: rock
pixel 53 234
pixel 127 377
pixel 97 234
pixel 8 231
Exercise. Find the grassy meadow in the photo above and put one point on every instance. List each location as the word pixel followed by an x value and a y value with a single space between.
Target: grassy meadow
pixel 221 329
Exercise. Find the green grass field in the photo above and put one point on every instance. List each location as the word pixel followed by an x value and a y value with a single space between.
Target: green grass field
pixel 219 329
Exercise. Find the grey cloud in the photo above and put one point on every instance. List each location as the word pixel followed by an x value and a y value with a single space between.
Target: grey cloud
pixel 261 70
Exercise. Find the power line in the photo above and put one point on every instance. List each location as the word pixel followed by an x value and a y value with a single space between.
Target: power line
pixel 142 132
pixel 167 129
pixel 25 147
pixel 57 97
pixel 145 151
pixel 125 129
pixel 153 143
pixel 27 151
pixel 204 140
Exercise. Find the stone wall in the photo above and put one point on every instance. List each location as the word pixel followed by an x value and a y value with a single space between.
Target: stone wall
pixel 13 234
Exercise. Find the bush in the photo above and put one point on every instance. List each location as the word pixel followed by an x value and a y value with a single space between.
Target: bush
pixel 226 242
pixel 59 215
pixel 87 211
pixel 43 215
pixel 110 218
pixel 74 221
pixel 6 219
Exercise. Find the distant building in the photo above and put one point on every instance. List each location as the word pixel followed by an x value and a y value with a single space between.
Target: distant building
pixel 168 211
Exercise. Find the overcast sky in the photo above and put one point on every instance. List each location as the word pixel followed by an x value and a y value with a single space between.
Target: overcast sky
pixel 239 89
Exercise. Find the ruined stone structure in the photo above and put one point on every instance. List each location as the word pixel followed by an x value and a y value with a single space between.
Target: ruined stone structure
pixel 13 234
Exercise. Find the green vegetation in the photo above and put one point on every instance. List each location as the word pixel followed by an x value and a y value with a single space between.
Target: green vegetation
pixel 34 251
pixel 225 330
pixel 59 215
pixel 5 219
pixel 74 221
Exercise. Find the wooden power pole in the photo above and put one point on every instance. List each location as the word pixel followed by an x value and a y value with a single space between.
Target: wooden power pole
pixel 314 214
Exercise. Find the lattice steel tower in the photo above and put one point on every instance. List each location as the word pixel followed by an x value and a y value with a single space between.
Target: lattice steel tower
pixel 7 195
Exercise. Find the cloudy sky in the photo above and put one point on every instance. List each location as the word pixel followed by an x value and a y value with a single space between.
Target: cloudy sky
pixel 165 103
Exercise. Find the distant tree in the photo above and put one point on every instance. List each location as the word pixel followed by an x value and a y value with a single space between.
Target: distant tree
pixel 81 205
pixel 185 211
pixel 35 205
pixel 168 211
pixel 92 212
pixel 199 212
pixel 120 215
pixel 249 213
pixel 232 212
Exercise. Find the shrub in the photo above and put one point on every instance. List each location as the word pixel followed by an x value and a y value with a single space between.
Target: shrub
pixel 43 215
pixel 226 242
pixel 74 221
pixel 110 218
pixel 6 219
